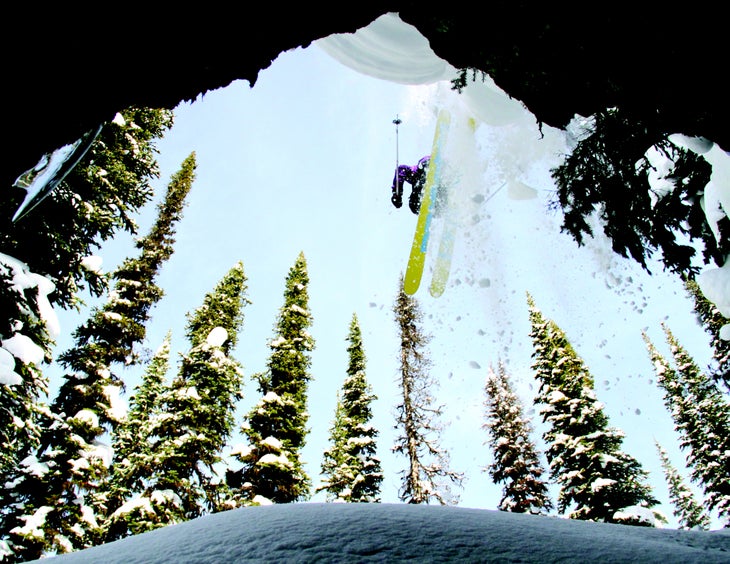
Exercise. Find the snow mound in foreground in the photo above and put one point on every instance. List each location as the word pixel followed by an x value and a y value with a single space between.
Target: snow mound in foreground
pixel 338 532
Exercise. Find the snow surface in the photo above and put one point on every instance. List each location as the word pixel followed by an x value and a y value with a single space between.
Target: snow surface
pixel 315 532
pixel 357 532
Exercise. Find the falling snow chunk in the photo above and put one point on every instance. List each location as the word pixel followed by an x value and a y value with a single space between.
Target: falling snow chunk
pixel 579 128
pixel 474 364
pixel 661 167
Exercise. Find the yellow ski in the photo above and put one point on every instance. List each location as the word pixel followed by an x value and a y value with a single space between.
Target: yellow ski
pixel 417 259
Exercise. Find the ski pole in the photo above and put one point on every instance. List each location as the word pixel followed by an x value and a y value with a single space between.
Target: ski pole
pixel 397 121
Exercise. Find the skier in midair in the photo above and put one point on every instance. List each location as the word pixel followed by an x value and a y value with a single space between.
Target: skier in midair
pixel 416 177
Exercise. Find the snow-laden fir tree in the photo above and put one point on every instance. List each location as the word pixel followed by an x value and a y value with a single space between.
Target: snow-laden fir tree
pixel 428 476
pixel 196 417
pixel 45 260
pixel 276 427
pixel 96 200
pixel 516 460
pixel 596 479
pixel 27 330
pixel 689 513
pixel 701 416
pixel 61 482
pixel 351 469
pixel 134 460
pixel 712 321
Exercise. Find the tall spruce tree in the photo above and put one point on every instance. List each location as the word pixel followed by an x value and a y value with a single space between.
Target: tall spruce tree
pixel 428 476
pixel 44 263
pixel 712 321
pixel 690 513
pixel 702 418
pixel 276 427
pixel 73 458
pixel 351 468
pixel 134 460
pixel 516 460
pixel 197 417
pixel 597 480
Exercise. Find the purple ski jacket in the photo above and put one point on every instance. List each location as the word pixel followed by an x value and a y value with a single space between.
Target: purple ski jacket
pixel 411 174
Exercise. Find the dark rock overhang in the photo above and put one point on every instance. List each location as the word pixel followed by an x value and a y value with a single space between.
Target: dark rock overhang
pixel 68 69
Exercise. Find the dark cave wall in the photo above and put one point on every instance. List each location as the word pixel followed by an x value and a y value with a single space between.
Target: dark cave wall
pixel 66 71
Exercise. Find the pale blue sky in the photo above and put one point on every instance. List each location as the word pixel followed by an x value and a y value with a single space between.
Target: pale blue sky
pixel 304 162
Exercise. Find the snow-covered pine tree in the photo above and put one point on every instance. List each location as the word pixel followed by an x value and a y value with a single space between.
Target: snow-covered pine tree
pixel 134 460
pixel 712 321
pixel 701 416
pixel 62 480
pixel 27 329
pixel 351 468
pixel 198 414
pixel 428 476
pixel 596 479
pixel 276 427
pixel 95 201
pixel 516 460
pixel 27 326
pixel 689 513
pixel 335 469
pixel 43 263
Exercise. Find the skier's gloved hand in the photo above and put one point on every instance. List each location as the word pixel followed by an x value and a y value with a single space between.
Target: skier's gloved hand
pixel 397 200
